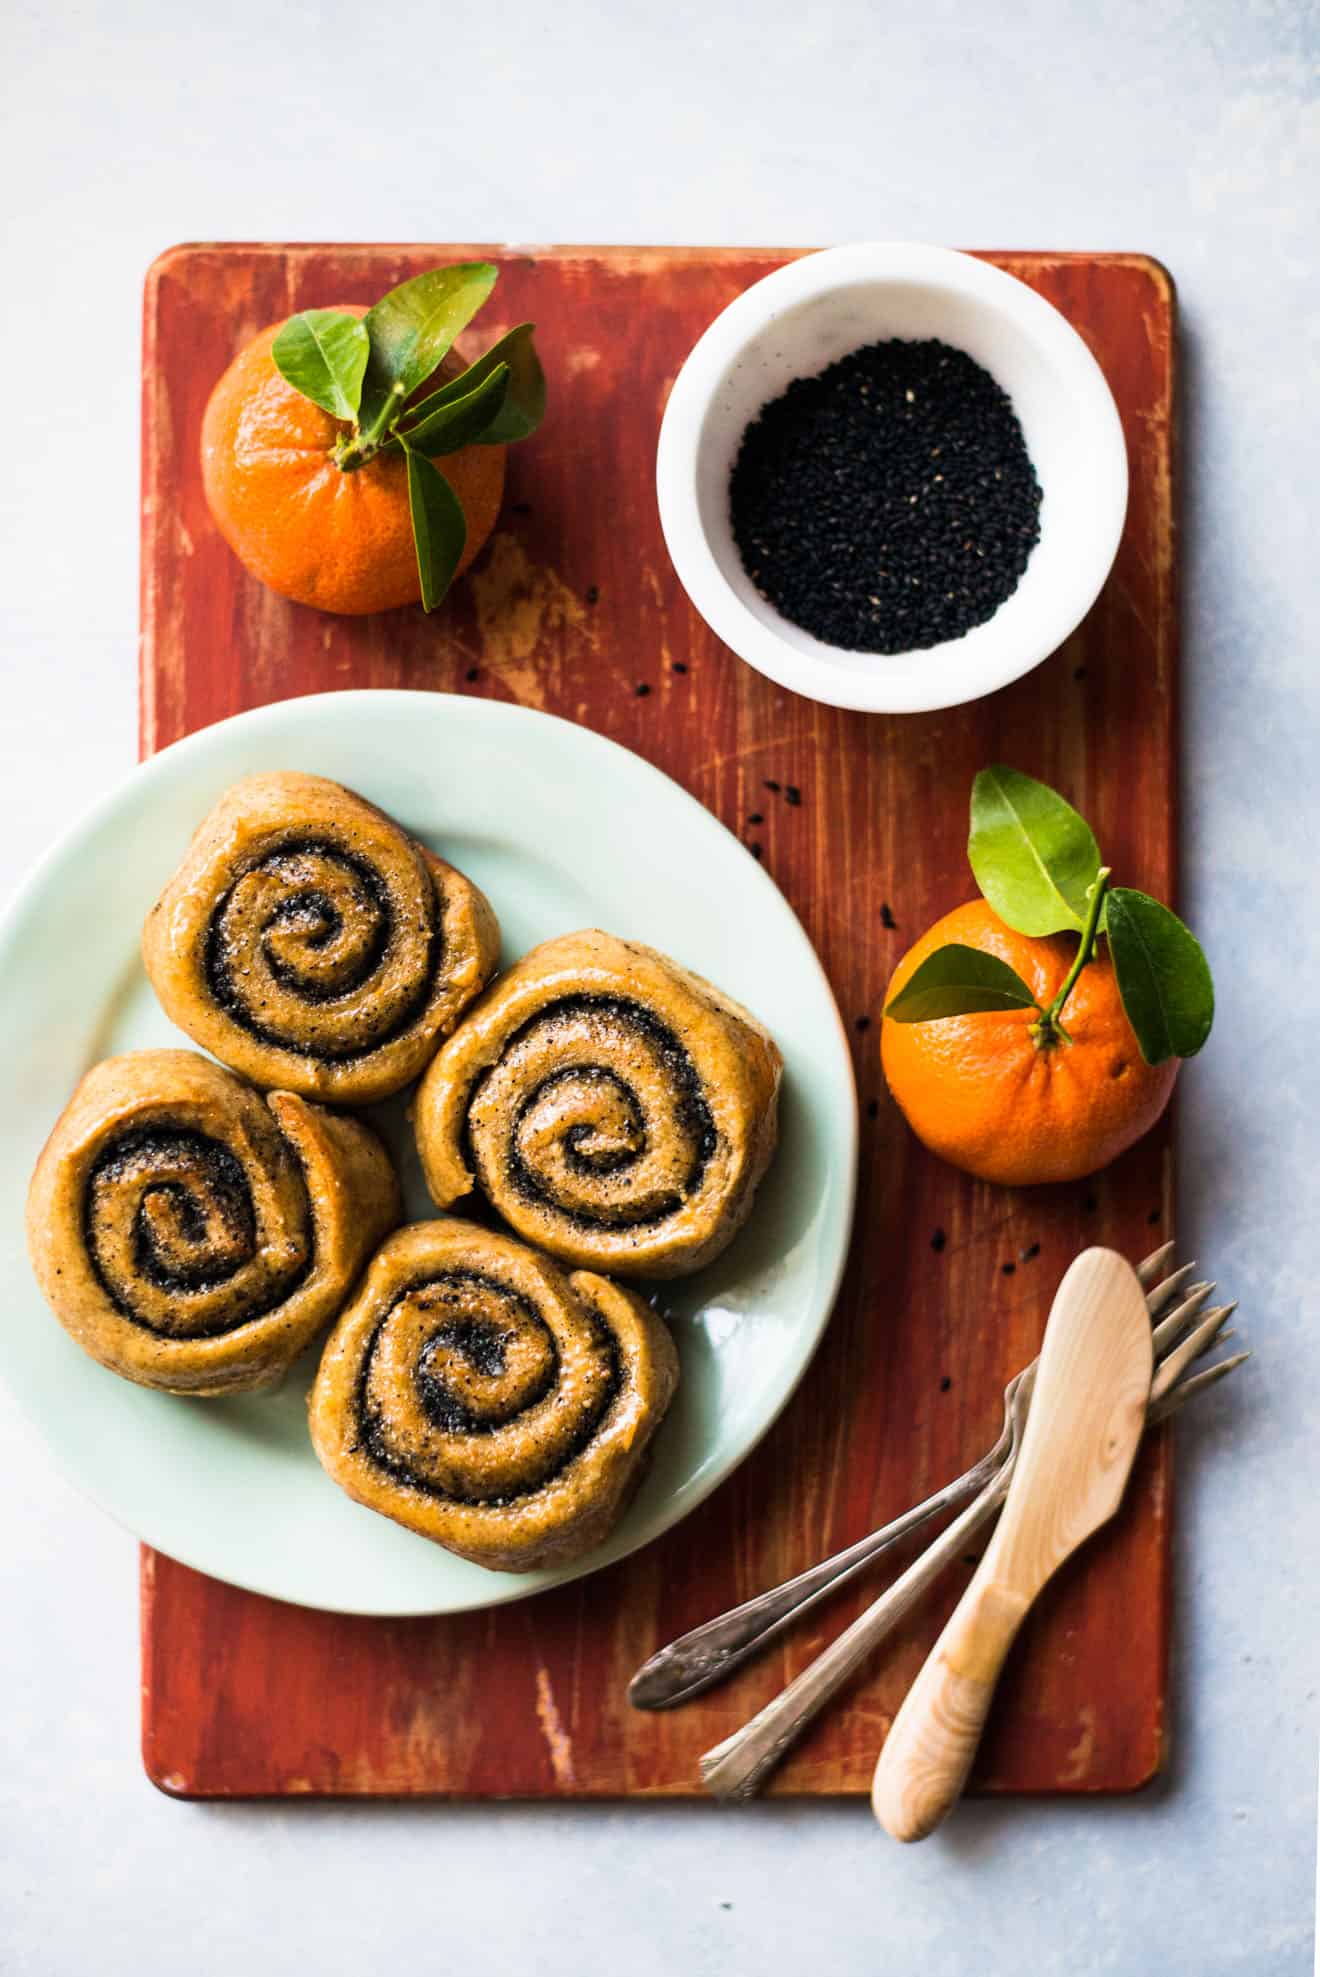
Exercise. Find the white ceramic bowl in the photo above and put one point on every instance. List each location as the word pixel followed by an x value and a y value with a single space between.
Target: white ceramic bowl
pixel 801 318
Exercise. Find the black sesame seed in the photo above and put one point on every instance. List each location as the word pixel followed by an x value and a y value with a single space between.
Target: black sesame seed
pixel 1008 1269
pixel 793 795
pixel 863 1022
pixel 757 851
pixel 472 673
pixel 641 689
pixel 1079 672
pixel 887 918
pixel 773 786
pixel 593 593
pixel 1154 1216
pixel 756 818
pixel 945 1384
pixel 679 667
pixel 873 1108
pixel 1030 1253
pixel 889 503
pixel 938 1240
pixel 522 507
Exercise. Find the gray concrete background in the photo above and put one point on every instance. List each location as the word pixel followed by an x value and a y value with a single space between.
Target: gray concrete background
pixel 1190 131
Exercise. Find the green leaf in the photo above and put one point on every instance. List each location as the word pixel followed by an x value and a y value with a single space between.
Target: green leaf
pixel 1034 858
pixel 438 525
pixel 959 981
pixel 411 331
pixel 524 406
pixel 1163 976
pixel 459 421
pixel 323 354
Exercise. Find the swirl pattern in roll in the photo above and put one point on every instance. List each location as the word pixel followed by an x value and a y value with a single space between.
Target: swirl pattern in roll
pixel 311 944
pixel 480 1397
pixel 616 1109
pixel 193 1235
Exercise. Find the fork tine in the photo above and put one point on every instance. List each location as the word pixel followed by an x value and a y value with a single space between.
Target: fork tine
pixel 1164 1294
pixel 1149 1268
pixel 1172 1401
pixel 1166 1332
pixel 1197 1341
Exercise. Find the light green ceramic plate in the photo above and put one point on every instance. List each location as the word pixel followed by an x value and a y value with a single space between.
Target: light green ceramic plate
pixel 563 829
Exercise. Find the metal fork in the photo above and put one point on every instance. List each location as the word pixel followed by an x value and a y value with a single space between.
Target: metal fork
pixel 736 1767
pixel 699 1659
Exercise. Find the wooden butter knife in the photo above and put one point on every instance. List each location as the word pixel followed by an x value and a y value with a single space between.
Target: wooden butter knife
pixel 1086 1420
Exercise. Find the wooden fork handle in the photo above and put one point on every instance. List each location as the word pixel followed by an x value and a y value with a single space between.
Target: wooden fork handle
pixel 929 1750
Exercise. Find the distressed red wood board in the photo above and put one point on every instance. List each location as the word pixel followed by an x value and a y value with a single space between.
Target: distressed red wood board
pixel 572 607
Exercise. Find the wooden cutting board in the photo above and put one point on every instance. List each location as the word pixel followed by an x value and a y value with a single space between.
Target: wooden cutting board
pixel 574 608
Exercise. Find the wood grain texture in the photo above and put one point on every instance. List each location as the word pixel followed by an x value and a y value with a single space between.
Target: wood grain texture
pixel 571 608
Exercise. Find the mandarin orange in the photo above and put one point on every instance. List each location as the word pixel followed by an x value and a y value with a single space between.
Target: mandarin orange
pixel 341 541
pixel 979 1090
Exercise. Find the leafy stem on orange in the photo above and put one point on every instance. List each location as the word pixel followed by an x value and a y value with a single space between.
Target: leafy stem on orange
pixel 1038 866
pixel 364 371
pixel 1049 1030
pixel 353 449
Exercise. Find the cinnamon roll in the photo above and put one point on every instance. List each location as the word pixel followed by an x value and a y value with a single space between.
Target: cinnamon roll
pixel 479 1396
pixel 617 1110
pixel 192 1235
pixel 311 944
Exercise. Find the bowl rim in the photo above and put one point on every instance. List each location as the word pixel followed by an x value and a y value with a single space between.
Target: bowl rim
pixel 967 668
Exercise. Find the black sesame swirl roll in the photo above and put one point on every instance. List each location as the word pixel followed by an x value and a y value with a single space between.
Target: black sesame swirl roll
pixel 617 1110
pixel 309 943
pixel 480 1397
pixel 193 1235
